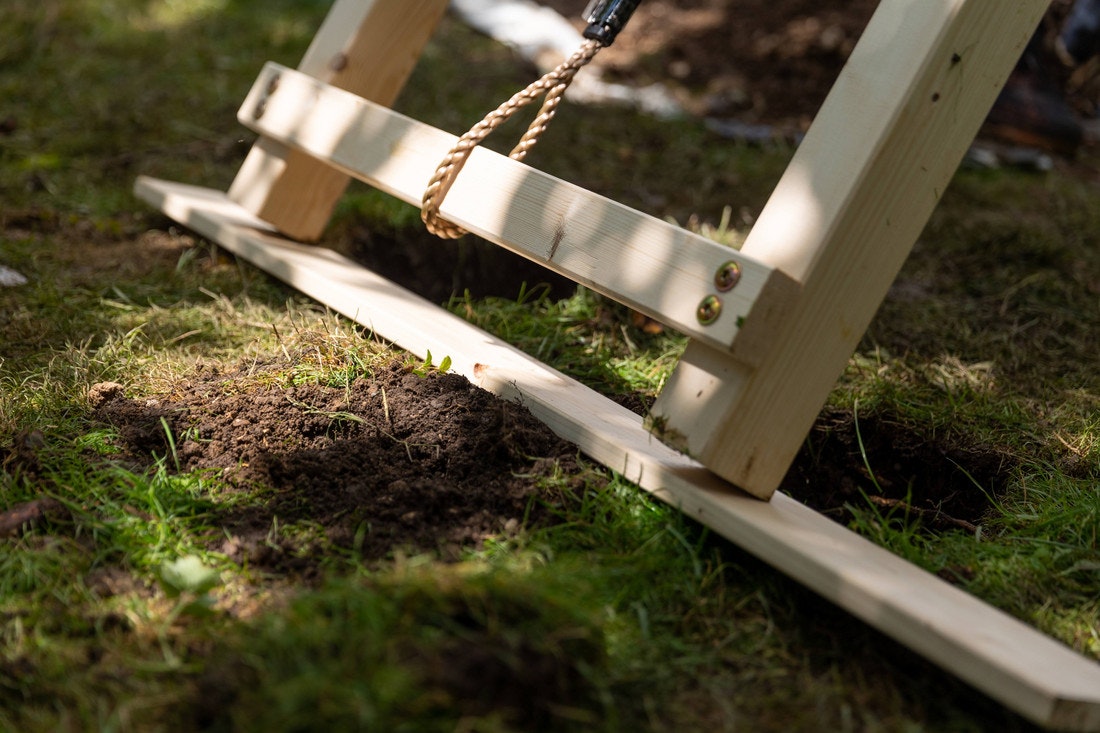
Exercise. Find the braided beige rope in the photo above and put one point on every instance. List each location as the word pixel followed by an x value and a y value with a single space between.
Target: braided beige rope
pixel 553 85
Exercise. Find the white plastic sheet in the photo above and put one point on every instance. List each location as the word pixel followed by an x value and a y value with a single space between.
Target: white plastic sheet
pixel 543 37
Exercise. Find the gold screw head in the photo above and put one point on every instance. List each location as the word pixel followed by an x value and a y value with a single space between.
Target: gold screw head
pixel 727 276
pixel 709 309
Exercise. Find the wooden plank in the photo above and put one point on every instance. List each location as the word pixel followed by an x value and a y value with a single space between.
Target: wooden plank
pixel 653 266
pixel 368 47
pixel 1004 658
pixel 842 221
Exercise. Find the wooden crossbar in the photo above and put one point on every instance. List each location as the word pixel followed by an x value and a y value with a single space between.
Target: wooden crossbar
pixel 1004 658
pixel 654 267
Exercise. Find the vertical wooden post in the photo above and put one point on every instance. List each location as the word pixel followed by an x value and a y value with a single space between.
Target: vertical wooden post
pixel 368 47
pixel 843 219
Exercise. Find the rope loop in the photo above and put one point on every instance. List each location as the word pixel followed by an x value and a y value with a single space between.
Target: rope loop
pixel 553 85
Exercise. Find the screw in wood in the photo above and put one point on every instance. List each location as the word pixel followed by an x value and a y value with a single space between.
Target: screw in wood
pixel 727 276
pixel 709 309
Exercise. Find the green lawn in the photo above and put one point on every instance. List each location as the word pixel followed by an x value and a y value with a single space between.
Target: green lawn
pixel 118 610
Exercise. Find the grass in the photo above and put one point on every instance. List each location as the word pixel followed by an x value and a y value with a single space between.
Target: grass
pixel 117 614
pixel 583 335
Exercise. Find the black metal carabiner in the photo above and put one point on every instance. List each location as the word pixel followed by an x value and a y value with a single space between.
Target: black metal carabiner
pixel 606 18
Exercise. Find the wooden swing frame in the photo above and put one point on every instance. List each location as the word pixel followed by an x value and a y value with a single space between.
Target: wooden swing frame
pixel 764 351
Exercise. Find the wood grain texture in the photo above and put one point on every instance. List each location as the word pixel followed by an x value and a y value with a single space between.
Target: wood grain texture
pixel 368 47
pixel 655 267
pixel 842 221
pixel 1004 658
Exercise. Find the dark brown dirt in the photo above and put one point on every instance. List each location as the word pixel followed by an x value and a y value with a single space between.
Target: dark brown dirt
pixel 400 462
pixel 396 462
pixel 439 270
pixel 759 60
pixel 872 461
pixel 769 61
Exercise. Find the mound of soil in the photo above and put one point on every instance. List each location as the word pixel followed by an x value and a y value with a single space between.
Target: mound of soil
pixel 405 462
pixel 759 60
pixel 394 462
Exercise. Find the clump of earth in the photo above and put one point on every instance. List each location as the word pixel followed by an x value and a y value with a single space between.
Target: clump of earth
pixel 412 461
pixel 401 460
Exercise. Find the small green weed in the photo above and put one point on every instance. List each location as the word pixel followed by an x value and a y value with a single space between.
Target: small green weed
pixel 584 335
pixel 426 367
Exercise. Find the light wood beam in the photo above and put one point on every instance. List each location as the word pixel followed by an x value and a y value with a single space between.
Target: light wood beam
pixel 368 47
pixel 842 220
pixel 651 265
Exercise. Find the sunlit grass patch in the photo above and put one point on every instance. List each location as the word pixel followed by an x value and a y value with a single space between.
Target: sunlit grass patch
pixel 585 336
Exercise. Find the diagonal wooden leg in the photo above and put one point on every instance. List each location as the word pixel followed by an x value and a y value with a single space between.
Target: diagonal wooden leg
pixel 368 47
pixel 842 221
